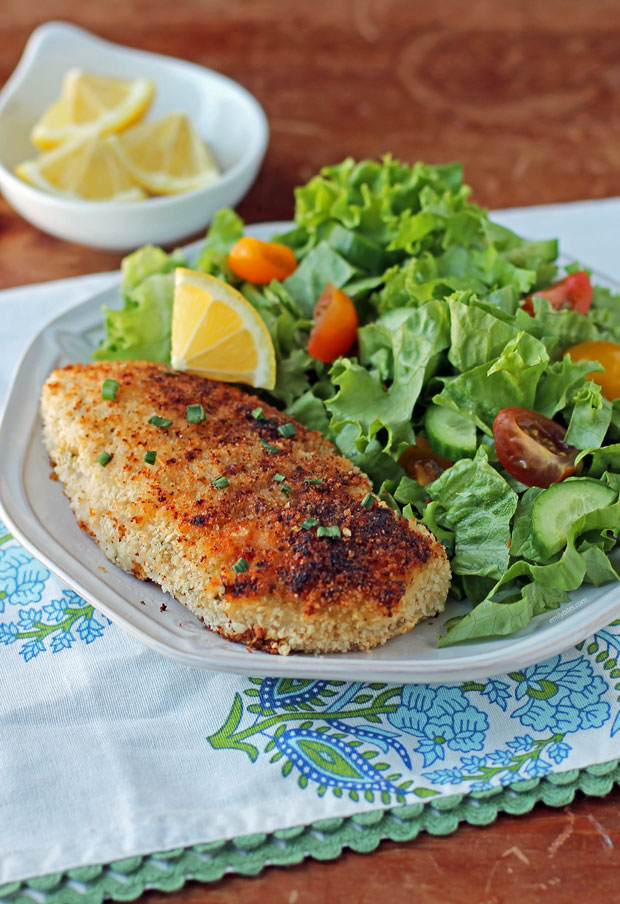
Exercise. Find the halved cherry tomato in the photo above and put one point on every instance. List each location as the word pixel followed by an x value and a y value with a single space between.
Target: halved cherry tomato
pixel 607 354
pixel 421 463
pixel 335 325
pixel 574 292
pixel 532 448
pixel 259 262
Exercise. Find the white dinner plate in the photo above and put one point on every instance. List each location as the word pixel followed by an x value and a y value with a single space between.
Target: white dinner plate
pixel 39 515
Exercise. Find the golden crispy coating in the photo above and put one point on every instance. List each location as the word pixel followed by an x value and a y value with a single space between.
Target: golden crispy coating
pixel 167 522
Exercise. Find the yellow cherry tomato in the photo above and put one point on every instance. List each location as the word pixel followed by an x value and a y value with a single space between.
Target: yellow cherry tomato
pixel 259 262
pixel 607 354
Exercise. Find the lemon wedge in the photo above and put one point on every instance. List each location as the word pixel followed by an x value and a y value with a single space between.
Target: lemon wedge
pixel 91 104
pixel 86 168
pixel 217 334
pixel 167 156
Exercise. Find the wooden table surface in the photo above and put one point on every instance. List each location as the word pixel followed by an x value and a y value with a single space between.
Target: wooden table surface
pixel 527 96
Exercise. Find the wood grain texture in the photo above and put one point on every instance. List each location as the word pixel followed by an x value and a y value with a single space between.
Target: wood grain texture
pixel 526 95
pixel 553 856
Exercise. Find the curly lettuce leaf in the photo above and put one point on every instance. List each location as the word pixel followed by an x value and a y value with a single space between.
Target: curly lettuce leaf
pixel 146 261
pixel 140 331
pixel 225 230
pixel 509 380
pixel 590 418
pixel 477 505
pixel 527 589
pixel 403 356
pixel 322 265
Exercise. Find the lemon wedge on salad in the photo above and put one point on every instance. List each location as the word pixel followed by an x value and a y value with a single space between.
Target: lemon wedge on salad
pixel 86 168
pixel 217 334
pixel 167 156
pixel 92 104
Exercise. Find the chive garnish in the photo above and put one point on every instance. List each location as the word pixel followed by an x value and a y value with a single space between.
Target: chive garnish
pixel 195 414
pixel 331 531
pixel 279 478
pixel 310 522
pixel 158 421
pixel 258 415
pixel 104 458
pixel 109 388
pixel 287 430
pixel 286 489
pixel 314 481
pixel 241 565
pixel 220 482
pixel 268 446
pixel 150 456
pixel 368 501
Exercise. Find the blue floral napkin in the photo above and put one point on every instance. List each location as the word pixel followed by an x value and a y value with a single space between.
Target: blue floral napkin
pixel 110 751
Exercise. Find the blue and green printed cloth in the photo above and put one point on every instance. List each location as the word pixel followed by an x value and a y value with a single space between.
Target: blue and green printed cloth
pixel 109 751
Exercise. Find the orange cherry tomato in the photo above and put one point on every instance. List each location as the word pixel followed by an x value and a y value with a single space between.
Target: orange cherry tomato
pixel 607 354
pixel 574 292
pixel 421 463
pixel 259 262
pixel 335 325
pixel 532 447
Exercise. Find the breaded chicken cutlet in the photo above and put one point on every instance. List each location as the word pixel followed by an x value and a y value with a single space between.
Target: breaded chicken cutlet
pixel 231 517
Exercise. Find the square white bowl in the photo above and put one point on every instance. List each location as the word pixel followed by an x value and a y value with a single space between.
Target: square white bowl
pixel 227 116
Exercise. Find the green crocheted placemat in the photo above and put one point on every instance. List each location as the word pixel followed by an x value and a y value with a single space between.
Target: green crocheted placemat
pixel 125 880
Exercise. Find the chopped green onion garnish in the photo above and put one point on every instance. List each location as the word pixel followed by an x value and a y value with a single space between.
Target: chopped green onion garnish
pixel 310 522
pixel 150 457
pixel 195 414
pixel 268 446
pixel 241 565
pixel 158 421
pixel 103 458
pixel 279 478
pixel 220 482
pixel 109 388
pixel 314 481
pixel 287 430
pixel 258 415
pixel 286 489
pixel 332 531
pixel 368 501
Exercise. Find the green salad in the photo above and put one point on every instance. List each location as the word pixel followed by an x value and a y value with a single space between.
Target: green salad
pixel 457 397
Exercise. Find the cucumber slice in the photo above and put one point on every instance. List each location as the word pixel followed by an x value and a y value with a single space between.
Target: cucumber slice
pixel 558 507
pixel 450 434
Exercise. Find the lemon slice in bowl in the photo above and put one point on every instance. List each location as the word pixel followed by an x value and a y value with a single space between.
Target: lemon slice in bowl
pixel 86 169
pixel 167 156
pixel 217 334
pixel 92 104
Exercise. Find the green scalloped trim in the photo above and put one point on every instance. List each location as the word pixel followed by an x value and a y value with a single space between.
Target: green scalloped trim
pixel 125 880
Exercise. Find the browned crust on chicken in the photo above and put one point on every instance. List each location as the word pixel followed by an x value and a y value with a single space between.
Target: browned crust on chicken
pixel 168 523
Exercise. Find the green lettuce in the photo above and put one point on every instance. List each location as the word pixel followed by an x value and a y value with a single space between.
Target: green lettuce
pixel 527 589
pixel 140 264
pixel 509 380
pixel 140 331
pixel 477 505
pixel 225 230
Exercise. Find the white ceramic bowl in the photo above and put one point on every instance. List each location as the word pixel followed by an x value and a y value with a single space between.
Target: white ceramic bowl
pixel 225 114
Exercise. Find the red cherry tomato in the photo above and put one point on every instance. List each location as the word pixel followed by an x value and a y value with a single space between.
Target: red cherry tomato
pixel 421 463
pixel 532 448
pixel 607 354
pixel 574 292
pixel 259 262
pixel 335 325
